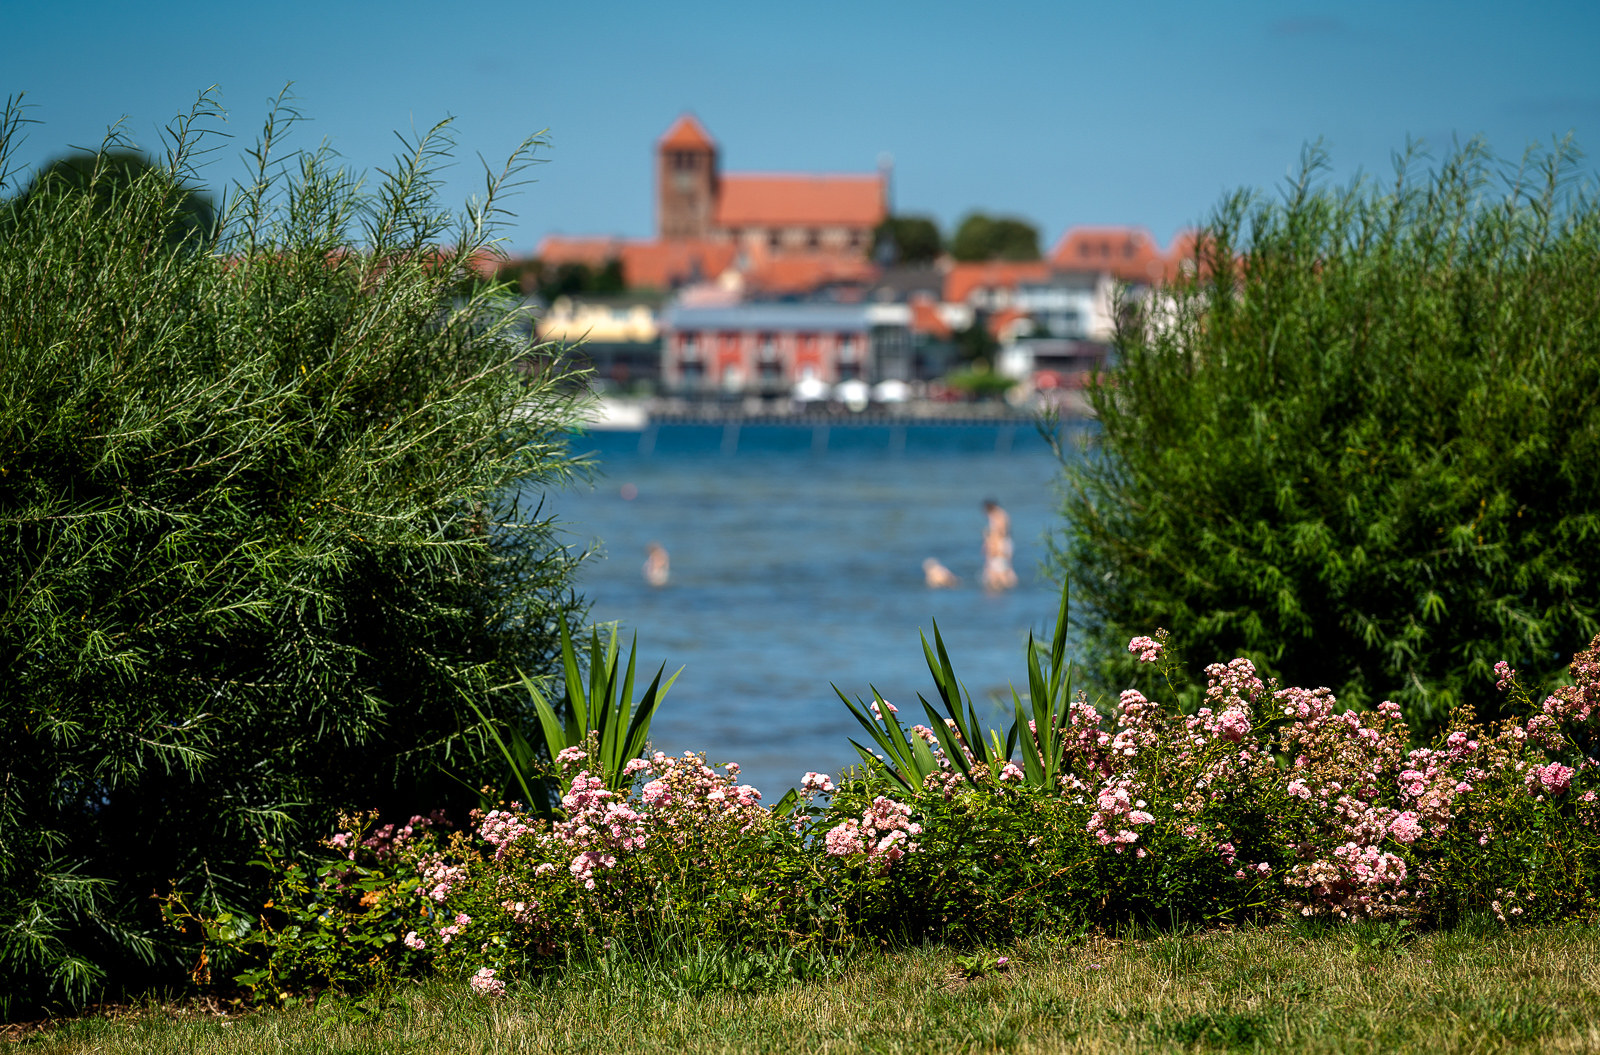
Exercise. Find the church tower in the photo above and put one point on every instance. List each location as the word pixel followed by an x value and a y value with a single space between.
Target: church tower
pixel 686 182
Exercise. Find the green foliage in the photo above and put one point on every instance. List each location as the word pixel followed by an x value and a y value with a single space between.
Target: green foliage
pixel 1361 445
pixel 977 346
pixel 980 383
pixel 108 178
pixel 981 237
pixel 570 279
pixel 600 718
pixel 909 240
pixel 262 499
pixel 334 924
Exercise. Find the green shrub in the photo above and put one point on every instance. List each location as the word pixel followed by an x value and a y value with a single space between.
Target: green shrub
pixel 260 500
pixel 1361 443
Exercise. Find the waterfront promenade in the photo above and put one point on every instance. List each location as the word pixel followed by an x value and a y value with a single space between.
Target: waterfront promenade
pixel 638 414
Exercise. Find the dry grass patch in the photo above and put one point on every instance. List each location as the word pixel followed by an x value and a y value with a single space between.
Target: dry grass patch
pixel 1277 989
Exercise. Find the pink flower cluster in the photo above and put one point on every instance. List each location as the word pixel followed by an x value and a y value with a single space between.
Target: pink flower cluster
pixel 484 983
pixel 1580 700
pixel 599 826
pixel 1504 675
pixel 882 833
pixel 1148 649
pixel 388 840
pixel 1115 811
pixel 501 828
pixel 813 784
pixel 439 876
pixel 451 930
pixel 1554 778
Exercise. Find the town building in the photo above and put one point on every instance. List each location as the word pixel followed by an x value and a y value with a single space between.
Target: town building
pixel 769 211
pixel 786 231
pixel 616 337
pixel 769 347
pixel 761 283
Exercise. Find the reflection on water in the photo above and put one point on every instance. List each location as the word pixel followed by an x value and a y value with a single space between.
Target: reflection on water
pixel 795 564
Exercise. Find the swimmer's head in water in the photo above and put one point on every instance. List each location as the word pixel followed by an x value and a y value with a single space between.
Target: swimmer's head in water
pixel 990 505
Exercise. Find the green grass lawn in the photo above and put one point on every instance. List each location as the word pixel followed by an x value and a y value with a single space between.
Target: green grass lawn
pixel 1274 989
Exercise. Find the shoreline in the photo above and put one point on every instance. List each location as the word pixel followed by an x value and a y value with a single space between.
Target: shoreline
pixel 622 414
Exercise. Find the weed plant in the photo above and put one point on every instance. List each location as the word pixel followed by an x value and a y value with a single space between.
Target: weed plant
pixel 1360 443
pixel 268 500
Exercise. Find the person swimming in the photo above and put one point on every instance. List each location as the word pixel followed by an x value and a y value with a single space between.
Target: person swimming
pixel 657 567
pixel 997 571
pixel 937 576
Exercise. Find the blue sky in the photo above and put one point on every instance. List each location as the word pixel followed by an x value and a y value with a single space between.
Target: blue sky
pixel 1062 113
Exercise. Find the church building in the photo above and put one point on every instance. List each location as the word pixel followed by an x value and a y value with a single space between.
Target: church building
pixel 759 210
pixel 782 231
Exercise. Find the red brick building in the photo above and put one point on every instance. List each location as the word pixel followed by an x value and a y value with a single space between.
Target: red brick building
pixel 783 230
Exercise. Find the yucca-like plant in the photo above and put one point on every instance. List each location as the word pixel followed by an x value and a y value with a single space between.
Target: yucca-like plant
pixel 598 717
pixel 268 505
pixel 906 759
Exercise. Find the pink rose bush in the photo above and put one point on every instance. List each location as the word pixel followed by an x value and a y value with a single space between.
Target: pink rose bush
pixel 1264 801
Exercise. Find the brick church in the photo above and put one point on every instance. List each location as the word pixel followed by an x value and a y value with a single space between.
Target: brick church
pixel 780 231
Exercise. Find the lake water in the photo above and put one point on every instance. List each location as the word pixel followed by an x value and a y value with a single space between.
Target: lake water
pixel 796 562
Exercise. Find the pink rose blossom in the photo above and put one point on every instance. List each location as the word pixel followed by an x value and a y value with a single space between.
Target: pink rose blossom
pixel 1503 675
pixel 485 983
pixel 1148 649
pixel 1405 827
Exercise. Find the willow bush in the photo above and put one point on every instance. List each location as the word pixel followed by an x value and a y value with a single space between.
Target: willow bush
pixel 1360 443
pixel 268 505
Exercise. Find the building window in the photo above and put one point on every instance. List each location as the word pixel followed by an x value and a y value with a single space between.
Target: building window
pixel 847 349
pixel 813 238
pixel 689 346
pixel 774 238
pixel 768 366
pixel 685 161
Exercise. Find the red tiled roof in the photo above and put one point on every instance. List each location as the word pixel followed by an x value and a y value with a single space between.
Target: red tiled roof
pixel 645 264
pixel 925 317
pixel 962 279
pixel 1130 253
pixel 663 265
pixel 687 133
pixel 592 250
pixel 749 199
pixel 1181 255
pixel 1002 320
pixel 804 272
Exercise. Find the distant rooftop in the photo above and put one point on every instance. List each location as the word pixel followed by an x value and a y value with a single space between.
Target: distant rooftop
pixel 749 199
pixel 687 133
